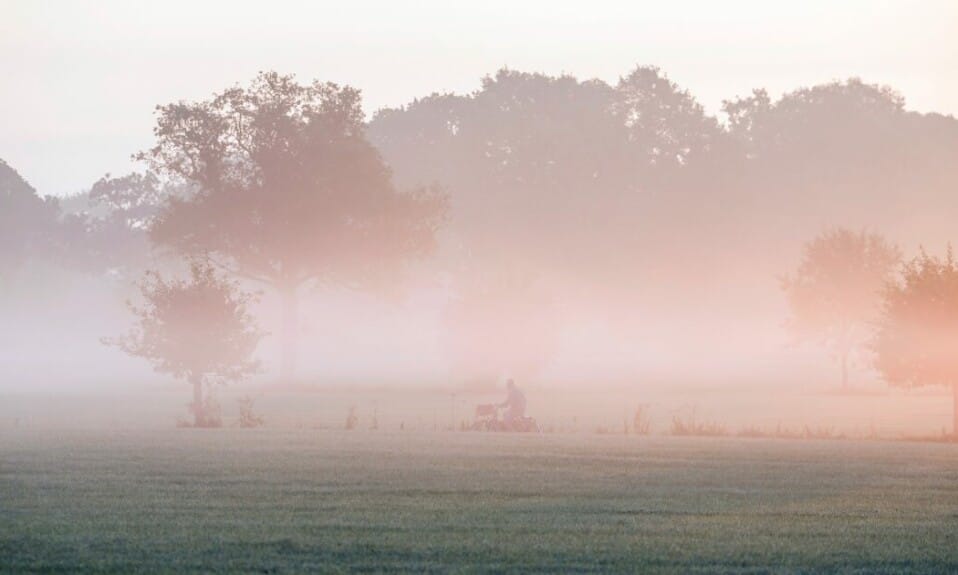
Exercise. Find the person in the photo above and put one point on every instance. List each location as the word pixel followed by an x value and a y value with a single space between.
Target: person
pixel 515 403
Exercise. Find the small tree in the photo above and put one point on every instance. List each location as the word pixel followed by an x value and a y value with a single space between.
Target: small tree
pixel 917 339
pixel 836 291
pixel 198 329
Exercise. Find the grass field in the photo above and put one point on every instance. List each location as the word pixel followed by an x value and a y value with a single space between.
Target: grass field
pixel 298 500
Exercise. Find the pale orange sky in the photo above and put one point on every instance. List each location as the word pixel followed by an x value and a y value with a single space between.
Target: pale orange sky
pixel 80 79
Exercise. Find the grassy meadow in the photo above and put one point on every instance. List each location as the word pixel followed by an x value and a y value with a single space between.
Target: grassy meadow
pixel 285 501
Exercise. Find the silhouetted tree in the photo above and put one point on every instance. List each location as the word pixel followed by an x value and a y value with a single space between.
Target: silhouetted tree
pixel 134 199
pixel 917 339
pixel 108 227
pixel 841 151
pixel 836 290
pixel 28 223
pixel 288 191
pixel 583 181
pixel 198 329
pixel 667 128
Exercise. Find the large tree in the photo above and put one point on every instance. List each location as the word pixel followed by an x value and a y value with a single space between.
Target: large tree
pixel 198 329
pixel 842 151
pixel 585 182
pixel 836 291
pixel 287 191
pixel 917 339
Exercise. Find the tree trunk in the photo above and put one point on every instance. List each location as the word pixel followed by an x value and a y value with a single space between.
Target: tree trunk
pixel 845 370
pixel 199 417
pixel 954 413
pixel 290 335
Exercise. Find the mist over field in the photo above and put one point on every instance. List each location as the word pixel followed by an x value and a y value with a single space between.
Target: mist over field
pixel 569 269
pixel 592 236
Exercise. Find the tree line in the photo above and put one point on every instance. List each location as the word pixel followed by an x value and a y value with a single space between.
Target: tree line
pixel 552 181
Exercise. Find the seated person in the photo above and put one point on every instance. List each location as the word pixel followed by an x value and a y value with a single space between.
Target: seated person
pixel 515 403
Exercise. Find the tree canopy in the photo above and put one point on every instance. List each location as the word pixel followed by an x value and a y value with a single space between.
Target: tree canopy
pixel 28 223
pixel 917 339
pixel 288 190
pixel 197 329
pixel 835 293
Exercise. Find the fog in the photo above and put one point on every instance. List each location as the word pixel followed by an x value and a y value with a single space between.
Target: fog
pixel 619 237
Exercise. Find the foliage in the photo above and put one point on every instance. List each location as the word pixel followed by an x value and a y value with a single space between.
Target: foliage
pixel 848 112
pixel 666 126
pixel 28 223
pixel 288 191
pixel 198 329
pixel 917 339
pixel 111 232
pixel 287 187
pixel 836 291
pixel 133 199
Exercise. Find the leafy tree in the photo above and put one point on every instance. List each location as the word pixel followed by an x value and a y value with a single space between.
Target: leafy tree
pixel 834 123
pixel 108 226
pixel 917 339
pixel 842 151
pixel 28 223
pixel 134 200
pixel 667 128
pixel 199 330
pixel 836 291
pixel 288 191
pixel 581 180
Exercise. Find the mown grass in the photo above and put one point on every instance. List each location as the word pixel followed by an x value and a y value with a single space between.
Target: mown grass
pixel 293 501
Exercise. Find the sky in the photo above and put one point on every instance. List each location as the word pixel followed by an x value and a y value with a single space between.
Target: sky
pixel 81 78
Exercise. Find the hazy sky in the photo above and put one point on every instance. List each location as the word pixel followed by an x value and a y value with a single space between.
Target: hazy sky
pixel 80 79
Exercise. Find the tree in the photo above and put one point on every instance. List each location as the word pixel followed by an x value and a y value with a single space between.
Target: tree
pixel 28 223
pixel 591 184
pixel 917 339
pixel 836 291
pixel 288 191
pixel 843 151
pixel 133 200
pixel 198 329
pixel 667 128
pixel 108 226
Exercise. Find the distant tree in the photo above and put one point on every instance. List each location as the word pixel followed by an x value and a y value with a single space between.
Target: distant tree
pixel 134 199
pixel 831 124
pixel 836 291
pixel 582 180
pixel 667 128
pixel 846 149
pixel 917 339
pixel 28 223
pixel 288 191
pixel 199 330
pixel 108 226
